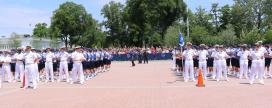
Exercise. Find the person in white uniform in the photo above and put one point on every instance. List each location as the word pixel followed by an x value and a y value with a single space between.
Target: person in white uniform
pixel 63 67
pixel 202 57
pixel 30 75
pixel 49 65
pixel 37 75
pixel 77 71
pixel 19 67
pixel 188 55
pixel 221 66
pixel 243 54
pixel 6 69
pixel 257 56
pixel 215 61
pixel 264 51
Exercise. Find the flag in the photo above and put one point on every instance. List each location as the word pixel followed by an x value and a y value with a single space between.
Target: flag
pixel 181 40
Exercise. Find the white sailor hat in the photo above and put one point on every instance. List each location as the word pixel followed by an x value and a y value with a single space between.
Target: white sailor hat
pixel 216 45
pixel 77 47
pixel 188 43
pixel 202 45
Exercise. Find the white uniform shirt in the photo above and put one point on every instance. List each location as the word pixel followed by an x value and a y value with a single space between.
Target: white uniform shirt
pixel 214 55
pixel 29 57
pixel 243 55
pixel 221 55
pixel 64 56
pixel 257 55
pixel 19 57
pixel 76 56
pixel 6 59
pixel 202 55
pixel 263 50
pixel 49 57
pixel 188 54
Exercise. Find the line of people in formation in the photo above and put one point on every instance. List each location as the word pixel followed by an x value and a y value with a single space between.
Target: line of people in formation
pixel 218 62
pixel 34 65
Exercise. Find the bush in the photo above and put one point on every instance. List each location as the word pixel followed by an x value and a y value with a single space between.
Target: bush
pixel 251 37
pixel 268 37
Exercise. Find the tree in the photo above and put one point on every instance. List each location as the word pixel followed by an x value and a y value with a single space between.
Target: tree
pixel 238 19
pixel 228 35
pixel 251 37
pixel 268 36
pixel 198 34
pixel 41 30
pixel 146 17
pixel 215 15
pixel 267 7
pixel 115 24
pixel 202 18
pixel 225 18
pixel 70 22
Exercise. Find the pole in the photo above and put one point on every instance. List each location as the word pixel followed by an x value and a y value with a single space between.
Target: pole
pixel 187 20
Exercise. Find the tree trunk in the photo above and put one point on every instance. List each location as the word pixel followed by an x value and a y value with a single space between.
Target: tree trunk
pixel 66 41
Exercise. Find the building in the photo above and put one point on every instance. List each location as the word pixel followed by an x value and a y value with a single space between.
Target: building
pixel 12 42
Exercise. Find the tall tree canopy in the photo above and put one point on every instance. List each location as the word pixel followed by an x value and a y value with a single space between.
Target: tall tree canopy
pixel 41 30
pixel 71 22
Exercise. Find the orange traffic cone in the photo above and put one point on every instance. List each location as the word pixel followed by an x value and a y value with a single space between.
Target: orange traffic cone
pixel 200 81
pixel 23 83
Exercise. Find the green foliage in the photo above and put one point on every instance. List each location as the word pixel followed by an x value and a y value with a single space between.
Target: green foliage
pixel 146 17
pixel 171 36
pixel 228 36
pixel 154 23
pixel 41 30
pixel 202 19
pixel 268 36
pixel 251 37
pixel 225 18
pixel 72 24
pixel 198 34
pixel 115 25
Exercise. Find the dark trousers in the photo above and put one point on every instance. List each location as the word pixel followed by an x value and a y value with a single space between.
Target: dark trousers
pixel 145 60
pixel 132 61
pixel 139 59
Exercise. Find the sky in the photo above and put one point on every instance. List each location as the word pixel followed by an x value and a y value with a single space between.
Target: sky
pixel 20 16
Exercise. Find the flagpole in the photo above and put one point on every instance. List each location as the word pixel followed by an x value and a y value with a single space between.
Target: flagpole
pixel 187 20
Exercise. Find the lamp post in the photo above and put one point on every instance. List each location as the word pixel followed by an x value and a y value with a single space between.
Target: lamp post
pixel 187 20
pixel 81 24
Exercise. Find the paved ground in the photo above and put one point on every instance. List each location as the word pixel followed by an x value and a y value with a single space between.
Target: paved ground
pixel 143 86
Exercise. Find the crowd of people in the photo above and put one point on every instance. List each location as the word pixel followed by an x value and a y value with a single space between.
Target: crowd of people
pixel 81 64
pixel 219 62
pixel 31 66
pixel 151 50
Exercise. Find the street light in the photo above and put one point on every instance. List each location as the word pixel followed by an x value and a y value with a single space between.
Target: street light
pixel 81 22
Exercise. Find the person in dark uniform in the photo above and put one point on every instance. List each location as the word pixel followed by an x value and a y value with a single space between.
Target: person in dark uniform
pixel 145 57
pixel 267 62
pixel 210 61
pixel 235 61
pixel 13 61
pixel 132 57
pixel 179 62
pixel 140 56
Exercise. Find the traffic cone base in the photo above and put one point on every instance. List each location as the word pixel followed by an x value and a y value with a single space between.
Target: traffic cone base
pixel 200 81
